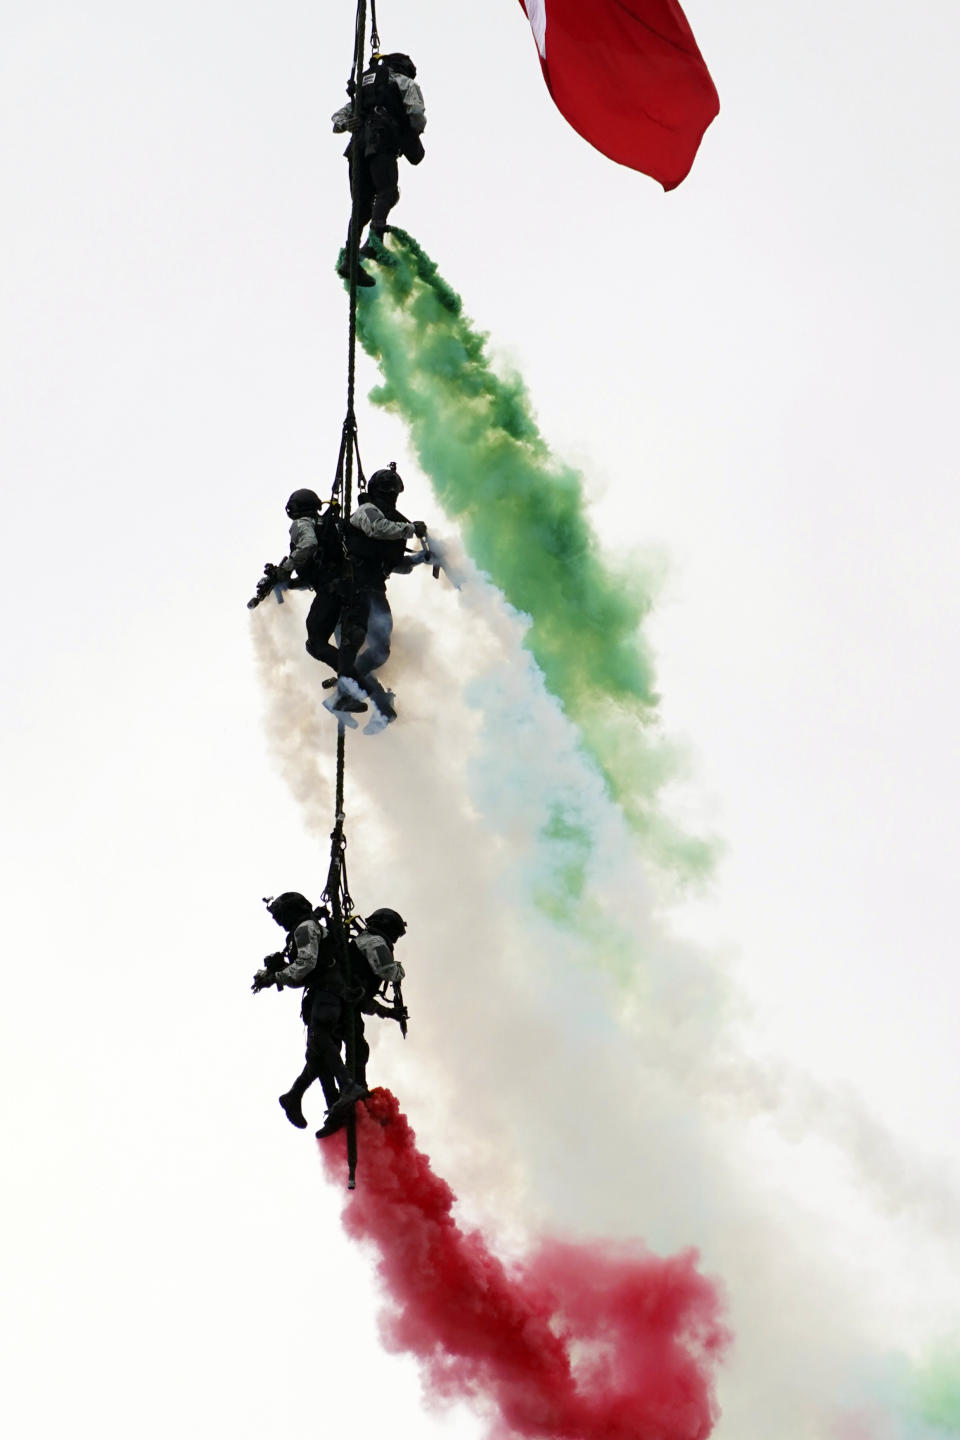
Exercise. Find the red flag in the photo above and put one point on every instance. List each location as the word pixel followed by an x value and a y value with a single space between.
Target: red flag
pixel 629 78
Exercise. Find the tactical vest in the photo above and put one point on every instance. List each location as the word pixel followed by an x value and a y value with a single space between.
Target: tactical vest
pixel 363 976
pixel 385 123
pixel 327 978
pixel 325 567
pixel 373 559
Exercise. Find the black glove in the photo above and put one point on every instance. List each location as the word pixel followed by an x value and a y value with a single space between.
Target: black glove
pixel 267 974
pixel 419 528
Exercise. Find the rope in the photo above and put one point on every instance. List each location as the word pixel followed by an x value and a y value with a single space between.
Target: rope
pixel 337 892
pixel 353 249
pixel 337 896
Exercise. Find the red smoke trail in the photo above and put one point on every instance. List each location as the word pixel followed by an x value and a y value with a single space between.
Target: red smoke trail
pixel 580 1342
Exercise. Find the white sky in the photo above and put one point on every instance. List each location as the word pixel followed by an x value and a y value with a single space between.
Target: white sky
pixel 758 373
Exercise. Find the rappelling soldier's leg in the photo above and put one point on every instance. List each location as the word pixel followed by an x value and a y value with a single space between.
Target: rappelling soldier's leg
pixel 362 1052
pixel 338 1112
pixel 353 631
pixel 376 652
pixel 322 618
pixel 291 1102
pixel 364 211
pixel 384 177
pixel 376 648
pixel 323 1051
pixel 367 622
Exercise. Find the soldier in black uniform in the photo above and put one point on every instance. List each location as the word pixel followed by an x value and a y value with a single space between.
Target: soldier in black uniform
pixel 375 542
pixel 316 557
pixel 373 969
pixel 392 120
pixel 311 964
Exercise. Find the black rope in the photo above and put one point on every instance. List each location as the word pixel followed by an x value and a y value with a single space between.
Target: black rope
pixel 353 249
pixel 337 892
pixel 337 897
pixel 374 36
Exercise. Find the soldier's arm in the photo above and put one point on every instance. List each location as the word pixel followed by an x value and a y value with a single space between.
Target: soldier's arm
pixel 306 937
pixel 372 522
pixel 303 546
pixel 412 103
pixel 379 956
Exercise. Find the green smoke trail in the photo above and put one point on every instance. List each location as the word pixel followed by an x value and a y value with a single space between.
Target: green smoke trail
pixel 936 1392
pixel 524 520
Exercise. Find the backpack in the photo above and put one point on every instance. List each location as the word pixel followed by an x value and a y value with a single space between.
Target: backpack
pixel 326 977
pixel 324 570
pixel 385 126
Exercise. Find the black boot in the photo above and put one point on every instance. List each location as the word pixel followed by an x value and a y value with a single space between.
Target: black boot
pixel 331 1125
pixel 373 249
pixel 290 1102
pixel 343 704
pixel 346 1100
pixel 343 270
pixel 383 708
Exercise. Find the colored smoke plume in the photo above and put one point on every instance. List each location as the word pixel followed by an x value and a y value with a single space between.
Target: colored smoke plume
pixel 524 521
pixel 577 1342
pixel 936 1391
pixel 904 1400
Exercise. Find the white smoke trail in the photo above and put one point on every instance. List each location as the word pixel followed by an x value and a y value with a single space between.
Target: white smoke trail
pixel 555 1091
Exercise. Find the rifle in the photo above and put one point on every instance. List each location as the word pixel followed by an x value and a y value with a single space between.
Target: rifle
pixel 400 1012
pixel 272 579
pixel 272 964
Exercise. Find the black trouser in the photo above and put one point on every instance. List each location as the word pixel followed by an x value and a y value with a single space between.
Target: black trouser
pixel 367 622
pixel 361 1048
pixel 366 625
pixel 377 189
pixel 323 617
pixel 323 1049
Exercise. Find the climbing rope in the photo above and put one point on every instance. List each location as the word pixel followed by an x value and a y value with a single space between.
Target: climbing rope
pixel 353 244
pixel 337 892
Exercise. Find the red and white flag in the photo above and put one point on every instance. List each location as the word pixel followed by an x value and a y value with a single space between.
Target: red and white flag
pixel 629 78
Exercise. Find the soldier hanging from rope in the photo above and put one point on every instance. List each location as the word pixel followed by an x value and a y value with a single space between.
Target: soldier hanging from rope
pixel 308 961
pixel 347 566
pixel 375 543
pixel 391 121
pixel 374 972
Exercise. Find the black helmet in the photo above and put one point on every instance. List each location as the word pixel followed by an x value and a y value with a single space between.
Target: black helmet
pixel 401 63
pixel 303 502
pixel 387 923
pixel 289 909
pixel 387 482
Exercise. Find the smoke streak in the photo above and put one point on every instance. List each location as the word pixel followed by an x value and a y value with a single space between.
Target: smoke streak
pixel 936 1391
pixel 591 1030
pixel 578 1342
pixel 565 865
pixel 524 522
